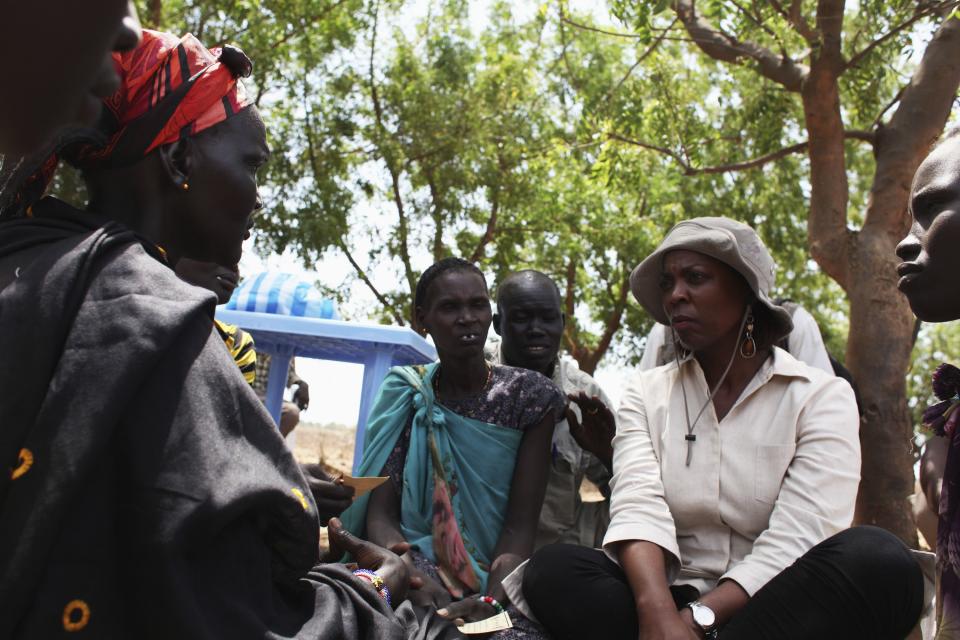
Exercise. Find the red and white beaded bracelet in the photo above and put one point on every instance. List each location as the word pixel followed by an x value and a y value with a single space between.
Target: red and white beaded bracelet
pixel 493 603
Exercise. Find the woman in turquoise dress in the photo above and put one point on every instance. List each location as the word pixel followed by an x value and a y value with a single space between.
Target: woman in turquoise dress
pixel 466 447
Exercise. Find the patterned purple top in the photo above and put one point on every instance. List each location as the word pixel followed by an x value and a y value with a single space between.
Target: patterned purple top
pixel 948 544
pixel 943 418
pixel 516 398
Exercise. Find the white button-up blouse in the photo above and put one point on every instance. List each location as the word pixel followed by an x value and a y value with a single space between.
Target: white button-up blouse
pixel 772 479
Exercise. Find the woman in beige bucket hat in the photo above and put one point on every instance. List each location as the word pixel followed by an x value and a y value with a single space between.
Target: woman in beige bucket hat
pixel 731 243
pixel 736 469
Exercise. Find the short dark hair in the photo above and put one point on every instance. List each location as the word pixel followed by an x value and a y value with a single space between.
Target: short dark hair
pixel 527 273
pixel 436 270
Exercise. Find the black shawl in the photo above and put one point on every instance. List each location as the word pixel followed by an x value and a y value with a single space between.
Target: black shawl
pixel 151 485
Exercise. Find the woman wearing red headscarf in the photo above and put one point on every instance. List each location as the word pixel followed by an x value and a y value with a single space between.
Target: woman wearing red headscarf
pixel 148 493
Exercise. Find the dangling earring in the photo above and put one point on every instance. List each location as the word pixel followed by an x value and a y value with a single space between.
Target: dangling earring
pixel 748 348
pixel 185 186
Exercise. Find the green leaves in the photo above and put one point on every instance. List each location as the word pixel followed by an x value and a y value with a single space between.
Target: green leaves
pixel 562 141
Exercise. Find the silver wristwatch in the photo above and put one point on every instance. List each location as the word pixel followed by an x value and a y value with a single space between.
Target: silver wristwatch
pixel 704 618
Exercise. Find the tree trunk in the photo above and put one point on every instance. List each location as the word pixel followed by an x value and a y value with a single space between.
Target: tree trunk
pixel 863 263
pixel 881 324
pixel 878 356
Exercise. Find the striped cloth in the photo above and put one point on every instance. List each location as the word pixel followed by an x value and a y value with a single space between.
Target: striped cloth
pixel 240 345
pixel 281 293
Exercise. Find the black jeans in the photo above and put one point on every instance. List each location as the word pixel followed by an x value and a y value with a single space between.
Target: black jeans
pixel 860 583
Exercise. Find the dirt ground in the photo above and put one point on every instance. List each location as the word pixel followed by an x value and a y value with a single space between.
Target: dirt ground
pixel 330 445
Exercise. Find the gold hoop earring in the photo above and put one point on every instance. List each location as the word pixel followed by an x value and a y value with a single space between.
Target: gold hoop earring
pixel 748 348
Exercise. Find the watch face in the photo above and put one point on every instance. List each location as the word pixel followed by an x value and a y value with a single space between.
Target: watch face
pixel 703 615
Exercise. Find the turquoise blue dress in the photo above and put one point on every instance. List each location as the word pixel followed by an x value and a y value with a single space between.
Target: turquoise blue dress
pixel 453 469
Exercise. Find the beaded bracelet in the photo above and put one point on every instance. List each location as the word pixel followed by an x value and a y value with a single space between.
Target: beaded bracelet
pixel 493 603
pixel 374 579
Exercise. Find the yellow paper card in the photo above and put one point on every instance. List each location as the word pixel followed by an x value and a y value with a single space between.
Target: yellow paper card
pixel 363 485
pixel 498 622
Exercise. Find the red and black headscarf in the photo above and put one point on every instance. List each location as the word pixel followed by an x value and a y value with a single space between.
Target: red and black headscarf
pixel 171 88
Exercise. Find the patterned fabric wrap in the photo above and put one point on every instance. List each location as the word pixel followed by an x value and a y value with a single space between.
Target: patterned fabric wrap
pixel 456 480
pixel 942 419
pixel 171 88
pixel 948 545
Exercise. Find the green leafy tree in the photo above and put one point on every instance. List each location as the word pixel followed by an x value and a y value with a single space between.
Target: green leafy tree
pixel 447 142
pixel 836 88
pixel 505 147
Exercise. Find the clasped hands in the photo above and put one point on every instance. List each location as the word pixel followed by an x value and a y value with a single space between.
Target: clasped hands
pixel 404 581
pixel 433 594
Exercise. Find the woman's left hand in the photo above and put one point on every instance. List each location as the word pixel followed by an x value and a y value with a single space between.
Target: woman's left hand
pixel 386 562
pixel 467 610
pixel 331 495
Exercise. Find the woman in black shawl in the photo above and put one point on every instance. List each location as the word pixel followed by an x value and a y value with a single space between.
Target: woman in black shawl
pixel 147 492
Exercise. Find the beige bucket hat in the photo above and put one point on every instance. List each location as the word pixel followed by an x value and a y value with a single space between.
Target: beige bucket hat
pixel 731 242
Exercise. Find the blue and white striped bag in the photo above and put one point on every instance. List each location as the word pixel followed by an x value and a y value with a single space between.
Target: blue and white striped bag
pixel 281 293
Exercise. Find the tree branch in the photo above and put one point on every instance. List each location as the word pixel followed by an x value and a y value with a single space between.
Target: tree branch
pixel 397 317
pixel 829 23
pixel 586 27
pixel 919 15
pixel 802 26
pixel 307 22
pixel 612 324
pixel 919 119
pixel 491 228
pixel 896 98
pixel 388 157
pixel 646 54
pixel 827 231
pixel 652 147
pixel 688 170
pixel 757 20
pixel 437 245
pixel 341 241
pixel 794 17
pixel 201 25
pixel 726 48
pixel 570 329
